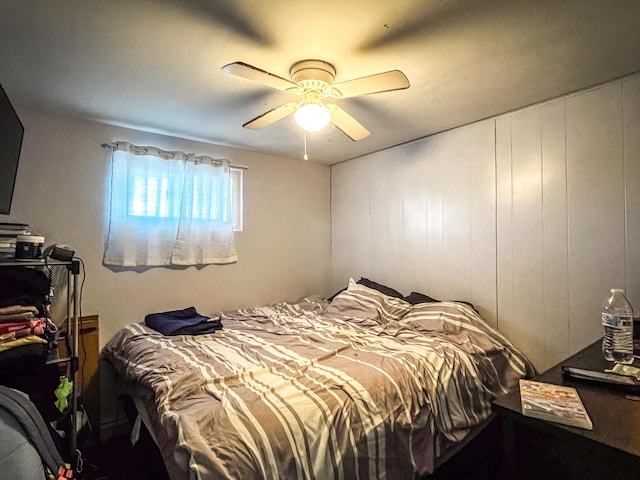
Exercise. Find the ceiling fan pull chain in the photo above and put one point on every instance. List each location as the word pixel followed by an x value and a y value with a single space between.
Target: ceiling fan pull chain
pixel 304 133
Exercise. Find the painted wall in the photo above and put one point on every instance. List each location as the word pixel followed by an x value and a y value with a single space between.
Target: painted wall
pixel 532 216
pixel 283 251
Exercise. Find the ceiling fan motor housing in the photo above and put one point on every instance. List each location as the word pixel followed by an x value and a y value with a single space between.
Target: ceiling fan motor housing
pixel 313 74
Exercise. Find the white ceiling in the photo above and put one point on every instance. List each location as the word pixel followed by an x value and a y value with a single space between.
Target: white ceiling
pixel 156 64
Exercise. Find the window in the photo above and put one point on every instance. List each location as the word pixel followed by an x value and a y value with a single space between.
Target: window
pixel 153 196
pixel 168 208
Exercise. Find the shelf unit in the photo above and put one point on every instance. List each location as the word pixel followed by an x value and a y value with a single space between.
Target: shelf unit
pixel 73 308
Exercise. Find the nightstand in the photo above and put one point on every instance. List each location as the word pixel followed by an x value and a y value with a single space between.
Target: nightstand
pixel 538 449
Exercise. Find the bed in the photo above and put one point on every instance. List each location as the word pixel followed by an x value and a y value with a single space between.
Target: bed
pixel 365 386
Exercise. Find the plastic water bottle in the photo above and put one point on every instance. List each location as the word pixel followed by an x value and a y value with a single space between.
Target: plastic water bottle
pixel 617 320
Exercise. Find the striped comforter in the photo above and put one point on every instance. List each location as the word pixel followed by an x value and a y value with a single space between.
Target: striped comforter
pixel 311 391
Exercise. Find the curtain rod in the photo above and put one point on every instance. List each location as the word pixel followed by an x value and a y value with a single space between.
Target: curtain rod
pixel 167 155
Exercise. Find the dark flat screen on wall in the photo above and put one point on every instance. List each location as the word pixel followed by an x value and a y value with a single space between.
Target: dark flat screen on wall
pixel 11 132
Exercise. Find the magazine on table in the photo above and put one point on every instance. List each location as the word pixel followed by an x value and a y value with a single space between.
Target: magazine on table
pixel 555 403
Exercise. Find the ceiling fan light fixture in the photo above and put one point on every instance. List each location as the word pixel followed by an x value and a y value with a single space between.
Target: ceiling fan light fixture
pixel 313 81
pixel 312 117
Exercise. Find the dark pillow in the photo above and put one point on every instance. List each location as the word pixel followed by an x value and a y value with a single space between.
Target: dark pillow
pixel 379 287
pixel 336 294
pixel 469 304
pixel 415 298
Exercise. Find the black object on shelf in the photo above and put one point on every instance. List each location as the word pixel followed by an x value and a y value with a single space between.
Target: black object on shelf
pixel 605 379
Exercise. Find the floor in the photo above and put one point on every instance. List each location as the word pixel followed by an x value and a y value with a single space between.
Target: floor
pixel 117 459
pixel 479 460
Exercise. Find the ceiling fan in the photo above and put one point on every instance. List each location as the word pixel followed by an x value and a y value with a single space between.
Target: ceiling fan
pixel 312 81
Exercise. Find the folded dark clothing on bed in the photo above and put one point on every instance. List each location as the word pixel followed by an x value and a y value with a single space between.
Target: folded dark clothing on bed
pixel 182 322
pixel 210 326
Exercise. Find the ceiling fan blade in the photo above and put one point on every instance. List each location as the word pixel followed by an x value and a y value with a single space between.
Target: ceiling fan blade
pixel 271 116
pixel 250 72
pixel 347 124
pixel 378 83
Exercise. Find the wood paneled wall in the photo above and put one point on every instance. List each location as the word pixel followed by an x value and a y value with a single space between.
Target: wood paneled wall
pixel 532 216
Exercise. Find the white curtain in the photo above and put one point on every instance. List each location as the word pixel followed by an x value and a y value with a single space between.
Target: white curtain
pixel 167 211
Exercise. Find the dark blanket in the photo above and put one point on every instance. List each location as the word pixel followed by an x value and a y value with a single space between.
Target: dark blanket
pixel 182 322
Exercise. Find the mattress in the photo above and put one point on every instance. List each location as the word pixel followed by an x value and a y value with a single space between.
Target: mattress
pixel 362 387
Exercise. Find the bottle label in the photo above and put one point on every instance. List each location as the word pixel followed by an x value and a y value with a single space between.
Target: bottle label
pixel 614 321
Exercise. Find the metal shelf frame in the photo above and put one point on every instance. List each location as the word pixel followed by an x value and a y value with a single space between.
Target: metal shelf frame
pixel 73 309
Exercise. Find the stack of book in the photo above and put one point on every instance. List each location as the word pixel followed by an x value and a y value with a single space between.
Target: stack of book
pixel 555 403
pixel 8 236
